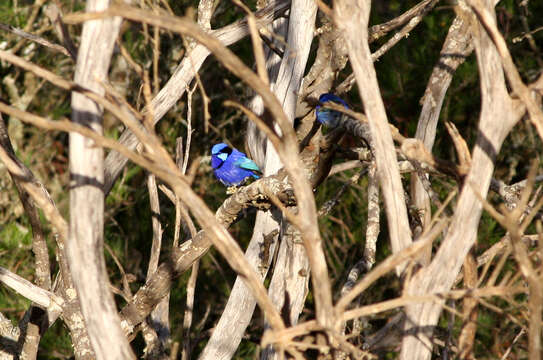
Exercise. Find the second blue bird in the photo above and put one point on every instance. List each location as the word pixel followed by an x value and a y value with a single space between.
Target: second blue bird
pixel 232 167
pixel 326 116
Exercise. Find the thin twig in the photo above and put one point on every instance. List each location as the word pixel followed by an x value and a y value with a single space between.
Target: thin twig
pixel 181 210
pixel 35 38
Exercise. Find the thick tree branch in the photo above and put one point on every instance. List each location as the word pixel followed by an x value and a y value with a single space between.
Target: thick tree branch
pixel 353 19
pixel 85 236
pixel 457 46
pixel 498 116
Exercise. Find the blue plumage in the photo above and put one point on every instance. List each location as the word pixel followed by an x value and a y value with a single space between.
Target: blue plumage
pixel 232 167
pixel 326 116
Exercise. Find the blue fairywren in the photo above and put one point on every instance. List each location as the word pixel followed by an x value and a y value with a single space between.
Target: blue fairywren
pixel 232 167
pixel 326 116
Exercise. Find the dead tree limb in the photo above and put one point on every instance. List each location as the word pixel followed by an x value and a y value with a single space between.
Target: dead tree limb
pixel 85 237
pixel 457 46
pixel 289 282
pixel 498 115
pixel 353 19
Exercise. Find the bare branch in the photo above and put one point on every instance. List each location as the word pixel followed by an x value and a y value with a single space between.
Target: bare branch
pixel 42 297
pixel 418 11
pixel 487 20
pixel 156 333
pixel 52 11
pixel 353 19
pixel 85 237
pixel 466 340
pixel 35 38
pixel 441 273
pixel 457 46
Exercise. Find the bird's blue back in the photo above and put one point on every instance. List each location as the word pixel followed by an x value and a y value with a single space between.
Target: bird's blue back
pixel 232 167
pixel 326 116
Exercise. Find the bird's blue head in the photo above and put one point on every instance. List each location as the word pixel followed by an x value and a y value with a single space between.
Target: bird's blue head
pixel 219 154
pixel 326 116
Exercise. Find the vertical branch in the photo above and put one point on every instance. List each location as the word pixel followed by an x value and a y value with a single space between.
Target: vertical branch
pixel 256 140
pixel 364 265
pixel 180 209
pixel 353 19
pixel 205 12
pixel 157 227
pixel 466 339
pixel 39 246
pixel 535 304
pixel 189 310
pixel 456 48
pixel 157 331
pixel 498 115
pixel 373 228
pixel 289 284
pixel 289 80
pixel 85 238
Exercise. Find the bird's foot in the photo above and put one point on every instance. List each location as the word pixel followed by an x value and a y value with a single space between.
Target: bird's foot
pixel 231 189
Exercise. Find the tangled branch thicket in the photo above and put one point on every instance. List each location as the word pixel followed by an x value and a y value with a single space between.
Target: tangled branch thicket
pixel 442 140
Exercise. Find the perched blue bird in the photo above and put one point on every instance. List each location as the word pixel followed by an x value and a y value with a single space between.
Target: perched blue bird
pixel 232 167
pixel 326 116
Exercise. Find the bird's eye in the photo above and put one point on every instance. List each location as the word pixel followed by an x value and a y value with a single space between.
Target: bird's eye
pixel 227 150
